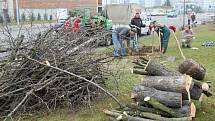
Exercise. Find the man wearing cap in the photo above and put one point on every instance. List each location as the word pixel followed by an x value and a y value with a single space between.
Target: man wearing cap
pixel 118 35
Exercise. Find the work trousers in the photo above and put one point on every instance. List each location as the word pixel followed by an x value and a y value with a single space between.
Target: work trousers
pixel 118 40
pixel 165 40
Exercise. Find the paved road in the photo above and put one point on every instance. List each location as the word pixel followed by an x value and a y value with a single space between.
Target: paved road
pixel 178 21
pixel 27 30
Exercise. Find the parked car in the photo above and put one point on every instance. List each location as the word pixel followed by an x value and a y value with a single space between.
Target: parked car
pixel 171 15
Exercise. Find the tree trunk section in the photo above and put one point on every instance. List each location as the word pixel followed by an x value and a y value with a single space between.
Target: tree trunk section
pixel 160 118
pixel 140 72
pixel 187 110
pixel 192 68
pixel 136 107
pixel 157 105
pixel 120 116
pixel 170 99
pixel 195 93
pixel 178 84
pixel 154 68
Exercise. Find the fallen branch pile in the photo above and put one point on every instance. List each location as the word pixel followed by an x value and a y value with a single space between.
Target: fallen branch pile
pixel 163 95
pixel 57 68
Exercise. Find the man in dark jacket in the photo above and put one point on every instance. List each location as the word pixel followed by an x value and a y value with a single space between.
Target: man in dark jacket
pixel 137 21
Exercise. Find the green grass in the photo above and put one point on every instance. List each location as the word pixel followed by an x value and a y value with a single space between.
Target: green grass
pixel 126 80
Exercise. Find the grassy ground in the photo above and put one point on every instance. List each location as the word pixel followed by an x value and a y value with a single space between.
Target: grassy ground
pixel 126 80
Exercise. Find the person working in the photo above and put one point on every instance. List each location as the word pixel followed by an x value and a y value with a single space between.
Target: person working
pixel 76 25
pixel 164 33
pixel 118 36
pixel 137 21
pixel 193 18
pixel 187 37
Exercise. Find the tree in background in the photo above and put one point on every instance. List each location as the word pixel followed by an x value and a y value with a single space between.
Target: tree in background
pixel 45 17
pixel 32 17
pixel 167 3
pixel 23 16
pixel 50 17
pixel 6 15
pixel 1 19
pixel 38 17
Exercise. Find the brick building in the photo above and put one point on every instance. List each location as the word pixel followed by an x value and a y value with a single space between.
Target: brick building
pixel 50 7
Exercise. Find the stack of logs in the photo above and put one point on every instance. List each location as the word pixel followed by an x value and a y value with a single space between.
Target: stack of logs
pixel 164 95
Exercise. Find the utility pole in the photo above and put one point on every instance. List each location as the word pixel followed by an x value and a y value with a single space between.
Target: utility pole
pixel 17 12
pixel 184 13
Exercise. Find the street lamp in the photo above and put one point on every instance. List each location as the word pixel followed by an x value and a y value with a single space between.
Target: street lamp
pixel 17 12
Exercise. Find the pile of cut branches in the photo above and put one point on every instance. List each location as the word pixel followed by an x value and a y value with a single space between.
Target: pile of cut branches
pixel 54 69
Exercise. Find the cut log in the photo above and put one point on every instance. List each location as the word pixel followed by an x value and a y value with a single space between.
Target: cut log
pixel 160 118
pixel 208 93
pixel 157 105
pixel 136 71
pixel 168 83
pixel 202 85
pixel 187 110
pixel 195 93
pixel 121 116
pixel 135 106
pixel 138 67
pixel 154 68
pixel 192 68
pixel 170 99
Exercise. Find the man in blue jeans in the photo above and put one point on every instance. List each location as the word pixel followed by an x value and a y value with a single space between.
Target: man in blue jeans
pixel 118 36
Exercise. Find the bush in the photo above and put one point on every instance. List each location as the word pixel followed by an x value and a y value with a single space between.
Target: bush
pixel 45 17
pixel 50 17
pixel 38 17
pixel 23 17
pixel 32 17
pixel 1 19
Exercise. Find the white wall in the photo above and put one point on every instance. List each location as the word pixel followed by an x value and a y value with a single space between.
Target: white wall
pixel 49 12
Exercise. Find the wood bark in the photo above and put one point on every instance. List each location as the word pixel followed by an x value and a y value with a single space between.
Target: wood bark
pixel 140 72
pixel 121 116
pixel 134 106
pixel 154 68
pixel 168 83
pixel 195 93
pixel 202 85
pixel 170 99
pixel 157 105
pixel 187 110
pixel 192 68
pixel 160 118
